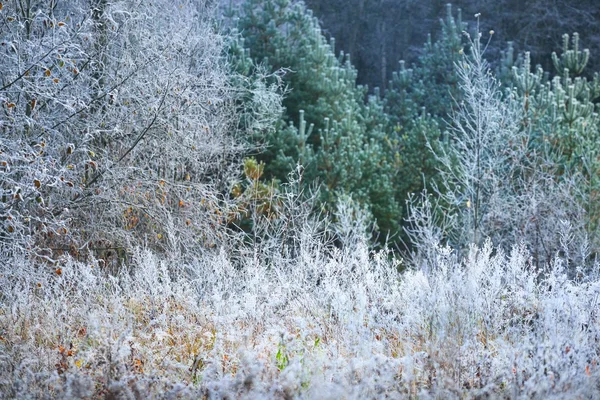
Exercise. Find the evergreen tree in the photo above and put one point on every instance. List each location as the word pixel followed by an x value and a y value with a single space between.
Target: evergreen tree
pixel 327 125
pixel 419 101
pixel 434 82
pixel 560 116
pixel 521 163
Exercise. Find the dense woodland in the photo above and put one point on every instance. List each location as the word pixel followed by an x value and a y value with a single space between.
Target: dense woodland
pixel 204 200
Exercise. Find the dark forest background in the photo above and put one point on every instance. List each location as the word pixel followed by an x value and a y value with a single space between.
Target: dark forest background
pixel 380 33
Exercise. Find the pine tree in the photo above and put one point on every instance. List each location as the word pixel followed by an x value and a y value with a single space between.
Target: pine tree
pixel 419 101
pixel 520 164
pixel 560 115
pixel 327 126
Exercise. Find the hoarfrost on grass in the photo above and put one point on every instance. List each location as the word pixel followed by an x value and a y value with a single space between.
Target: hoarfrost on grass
pixel 491 324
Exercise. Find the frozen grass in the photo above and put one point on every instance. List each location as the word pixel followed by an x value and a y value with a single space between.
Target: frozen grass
pixel 326 324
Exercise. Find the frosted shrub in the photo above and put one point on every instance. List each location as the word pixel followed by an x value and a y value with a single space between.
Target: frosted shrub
pixel 509 327
pixel 119 127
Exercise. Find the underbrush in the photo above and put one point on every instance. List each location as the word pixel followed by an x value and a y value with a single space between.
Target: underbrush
pixel 325 324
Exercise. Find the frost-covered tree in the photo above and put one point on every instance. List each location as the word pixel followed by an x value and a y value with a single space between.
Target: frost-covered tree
pixel 519 164
pixel 118 126
pixel 561 119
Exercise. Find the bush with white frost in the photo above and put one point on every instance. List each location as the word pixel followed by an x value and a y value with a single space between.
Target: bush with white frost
pixel 118 127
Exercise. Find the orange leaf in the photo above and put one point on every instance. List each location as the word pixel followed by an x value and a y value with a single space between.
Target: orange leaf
pixel 55 80
pixel 587 370
pixel 58 271
pixel 47 72
pixel 37 183
pixel 181 203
